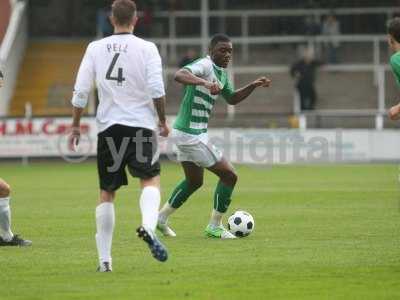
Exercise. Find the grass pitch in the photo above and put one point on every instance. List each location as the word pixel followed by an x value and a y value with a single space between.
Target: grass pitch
pixel 321 232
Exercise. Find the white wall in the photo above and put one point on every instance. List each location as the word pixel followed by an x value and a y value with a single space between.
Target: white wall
pixel 42 137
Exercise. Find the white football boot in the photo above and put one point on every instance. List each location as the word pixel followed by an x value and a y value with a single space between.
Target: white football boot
pixel 165 229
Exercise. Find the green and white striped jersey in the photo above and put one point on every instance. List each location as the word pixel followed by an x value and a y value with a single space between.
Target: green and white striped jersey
pixel 197 102
pixel 395 64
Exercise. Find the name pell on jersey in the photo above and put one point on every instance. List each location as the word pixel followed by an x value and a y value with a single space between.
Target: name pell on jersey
pixel 118 48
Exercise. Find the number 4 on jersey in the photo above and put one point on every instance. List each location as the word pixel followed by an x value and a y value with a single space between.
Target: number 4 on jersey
pixel 120 78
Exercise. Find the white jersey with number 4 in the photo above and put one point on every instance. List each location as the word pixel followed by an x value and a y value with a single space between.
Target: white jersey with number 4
pixel 127 72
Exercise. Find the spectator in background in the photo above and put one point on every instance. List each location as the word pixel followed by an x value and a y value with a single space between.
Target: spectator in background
pixel 148 17
pixel 311 26
pixel 330 29
pixel 190 56
pixel 173 5
pixel 304 71
pixel 104 27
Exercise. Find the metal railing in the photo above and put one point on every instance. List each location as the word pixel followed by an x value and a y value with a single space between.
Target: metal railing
pixel 376 66
pixel 168 46
pixel 379 113
pixel 204 14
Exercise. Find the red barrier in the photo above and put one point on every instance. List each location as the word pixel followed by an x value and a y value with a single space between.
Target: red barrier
pixel 5 13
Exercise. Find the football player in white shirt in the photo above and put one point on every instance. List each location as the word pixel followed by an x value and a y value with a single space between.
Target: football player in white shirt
pixel 7 238
pixel 127 72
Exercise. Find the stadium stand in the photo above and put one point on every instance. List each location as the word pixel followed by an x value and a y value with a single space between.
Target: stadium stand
pixel 46 77
pixel 49 68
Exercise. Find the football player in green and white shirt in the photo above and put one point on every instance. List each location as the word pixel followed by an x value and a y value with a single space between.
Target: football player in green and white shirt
pixel 204 80
pixel 394 44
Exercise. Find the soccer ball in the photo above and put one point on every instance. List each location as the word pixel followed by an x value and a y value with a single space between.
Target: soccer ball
pixel 241 223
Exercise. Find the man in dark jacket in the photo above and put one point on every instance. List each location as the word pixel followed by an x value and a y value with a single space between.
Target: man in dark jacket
pixel 303 71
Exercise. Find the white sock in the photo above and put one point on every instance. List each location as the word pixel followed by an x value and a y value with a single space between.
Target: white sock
pixel 5 219
pixel 165 212
pixel 149 205
pixel 216 218
pixel 105 220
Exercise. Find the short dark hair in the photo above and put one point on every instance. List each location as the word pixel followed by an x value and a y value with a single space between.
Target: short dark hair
pixel 123 11
pixel 393 28
pixel 219 38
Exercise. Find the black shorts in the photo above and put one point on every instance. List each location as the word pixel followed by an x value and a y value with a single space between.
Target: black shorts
pixel 122 146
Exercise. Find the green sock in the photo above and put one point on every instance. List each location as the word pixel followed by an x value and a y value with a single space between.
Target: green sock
pixel 180 194
pixel 222 197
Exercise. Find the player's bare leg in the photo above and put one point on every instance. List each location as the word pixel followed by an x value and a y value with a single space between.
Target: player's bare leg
pixel 7 238
pixel 149 205
pixel 105 221
pixel 192 182
pixel 222 198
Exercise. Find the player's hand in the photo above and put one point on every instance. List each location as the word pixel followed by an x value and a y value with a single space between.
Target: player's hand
pixel 394 112
pixel 262 82
pixel 213 87
pixel 164 129
pixel 73 139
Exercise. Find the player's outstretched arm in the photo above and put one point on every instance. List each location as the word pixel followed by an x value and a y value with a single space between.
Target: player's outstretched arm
pixel 159 104
pixel 394 112
pixel 245 91
pixel 186 77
